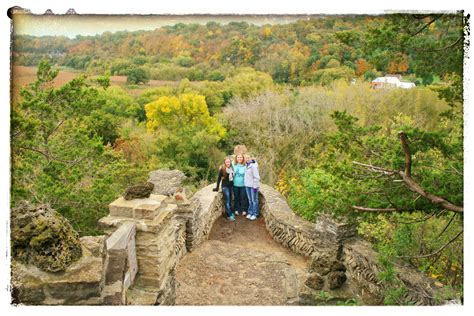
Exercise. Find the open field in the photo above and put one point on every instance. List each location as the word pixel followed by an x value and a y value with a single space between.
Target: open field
pixel 24 75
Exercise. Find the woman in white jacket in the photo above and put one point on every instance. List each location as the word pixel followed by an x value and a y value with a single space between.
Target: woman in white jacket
pixel 252 184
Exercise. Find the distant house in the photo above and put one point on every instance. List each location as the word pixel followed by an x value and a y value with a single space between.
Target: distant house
pixel 391 81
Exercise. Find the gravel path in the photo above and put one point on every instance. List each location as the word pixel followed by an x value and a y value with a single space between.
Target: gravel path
pixel 240 264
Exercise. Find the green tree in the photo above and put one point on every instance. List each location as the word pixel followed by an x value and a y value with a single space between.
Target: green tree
pixel 57 158
pixel 138 75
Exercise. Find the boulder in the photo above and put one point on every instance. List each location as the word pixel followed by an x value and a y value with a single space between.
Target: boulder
pixel 166 182
pixel 138 191
pixel 336 279
pixel 321 263
pixel 44 238
pixel 314 281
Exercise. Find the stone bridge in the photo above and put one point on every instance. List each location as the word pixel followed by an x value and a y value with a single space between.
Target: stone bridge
pixel 146 241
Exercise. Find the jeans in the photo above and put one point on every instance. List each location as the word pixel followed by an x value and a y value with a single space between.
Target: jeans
pixel 227 198
pixel 240 199
pixel 253 201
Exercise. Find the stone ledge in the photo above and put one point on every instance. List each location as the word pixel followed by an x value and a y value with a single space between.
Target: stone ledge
pixel 137 208
pixel 142 225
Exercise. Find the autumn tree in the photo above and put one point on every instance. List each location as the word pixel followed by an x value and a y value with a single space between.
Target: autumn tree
pixel 186 133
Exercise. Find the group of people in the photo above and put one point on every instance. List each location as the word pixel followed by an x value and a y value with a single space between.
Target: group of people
pixel 240 178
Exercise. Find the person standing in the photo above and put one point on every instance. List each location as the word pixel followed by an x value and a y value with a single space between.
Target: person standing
pixel 252 185
pixel 226 175
pixel 240 196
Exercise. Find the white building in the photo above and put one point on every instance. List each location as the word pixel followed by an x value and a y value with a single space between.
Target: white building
pixel 390 82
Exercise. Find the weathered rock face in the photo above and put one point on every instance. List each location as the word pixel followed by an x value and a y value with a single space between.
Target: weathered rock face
pixel 166 181
pixel 138 191
pixel 81 282
pixel 43 237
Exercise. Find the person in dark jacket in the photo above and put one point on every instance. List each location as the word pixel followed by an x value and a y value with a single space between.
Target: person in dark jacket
pixel 226 175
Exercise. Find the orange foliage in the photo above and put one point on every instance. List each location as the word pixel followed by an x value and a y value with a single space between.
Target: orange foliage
pixel 399 64
pixel 361 67
pixel 131 149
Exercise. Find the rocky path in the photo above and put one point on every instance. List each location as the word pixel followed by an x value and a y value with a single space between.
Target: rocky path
pixel 240 264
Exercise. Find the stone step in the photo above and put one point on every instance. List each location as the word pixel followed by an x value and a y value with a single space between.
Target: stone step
pixel 142 296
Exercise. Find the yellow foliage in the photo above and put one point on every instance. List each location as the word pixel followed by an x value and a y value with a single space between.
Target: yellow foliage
pixel 186 112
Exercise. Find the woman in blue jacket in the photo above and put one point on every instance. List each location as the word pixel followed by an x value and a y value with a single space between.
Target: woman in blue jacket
pixel 240 196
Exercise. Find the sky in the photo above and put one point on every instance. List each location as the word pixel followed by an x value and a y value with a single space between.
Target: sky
pixel 70 25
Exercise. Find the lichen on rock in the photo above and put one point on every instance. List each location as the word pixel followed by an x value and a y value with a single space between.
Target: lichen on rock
pixel 139 191
pixel 43 237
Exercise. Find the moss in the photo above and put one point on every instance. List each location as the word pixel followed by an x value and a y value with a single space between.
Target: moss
pixel 42 237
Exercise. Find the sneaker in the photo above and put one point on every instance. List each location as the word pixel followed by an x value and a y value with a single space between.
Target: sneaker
pixel 244 213
pixel 231 218
pixel 253 217
pixel 236 213
pixel 248 216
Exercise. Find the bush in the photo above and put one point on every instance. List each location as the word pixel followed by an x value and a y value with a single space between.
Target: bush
pixel 138 75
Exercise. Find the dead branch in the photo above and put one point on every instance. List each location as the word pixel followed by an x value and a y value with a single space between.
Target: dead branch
pixel 409 182
pixel 369 209
pixel 375 168
pixel 437 251
pixel 406 151
pixel 447 225
pixel 415 187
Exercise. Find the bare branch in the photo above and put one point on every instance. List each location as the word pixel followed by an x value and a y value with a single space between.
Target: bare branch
pixel 406 151
pixel 415 187
pixel 408 180
pixel 417 49
pixel 447 225
pixel 424 218
pixel 426 25
pixel 375 168
pixel 437 251
pixel 389 209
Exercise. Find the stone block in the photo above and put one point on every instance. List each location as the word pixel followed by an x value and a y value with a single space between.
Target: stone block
pixel 121 254
pixel 146 211
pixel 125 208
pixel 113 294
pixel 95 244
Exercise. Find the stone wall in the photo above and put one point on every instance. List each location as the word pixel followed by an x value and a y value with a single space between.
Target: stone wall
pixel 342 264
pixel 155 243
pixel 135 263
pixel 166 229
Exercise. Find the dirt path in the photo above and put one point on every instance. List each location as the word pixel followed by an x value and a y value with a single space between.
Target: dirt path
pixel 240 264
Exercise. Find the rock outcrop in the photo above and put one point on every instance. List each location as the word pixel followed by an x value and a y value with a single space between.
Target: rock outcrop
pixel 166 182
pixel 44 238
pixel 138 191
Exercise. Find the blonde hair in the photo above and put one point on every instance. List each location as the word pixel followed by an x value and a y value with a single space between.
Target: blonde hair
pixel 240 149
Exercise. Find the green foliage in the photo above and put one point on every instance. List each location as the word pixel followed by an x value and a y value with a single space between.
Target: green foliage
pixel 137 75
pixel 330 74
pixel 315 191
pixel 58 151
